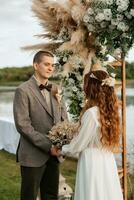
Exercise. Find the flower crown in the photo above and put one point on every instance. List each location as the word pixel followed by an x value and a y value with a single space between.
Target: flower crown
pixel 110 81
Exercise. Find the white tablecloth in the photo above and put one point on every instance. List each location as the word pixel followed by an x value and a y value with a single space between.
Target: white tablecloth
pixel 9 137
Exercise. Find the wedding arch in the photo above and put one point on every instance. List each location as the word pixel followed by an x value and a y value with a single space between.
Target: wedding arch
pixel 83 32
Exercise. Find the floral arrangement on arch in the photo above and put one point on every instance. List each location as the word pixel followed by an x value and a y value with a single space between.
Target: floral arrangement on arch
pixel 112 23
pixel 78 31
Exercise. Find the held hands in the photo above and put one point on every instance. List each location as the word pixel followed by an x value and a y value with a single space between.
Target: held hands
pixel 55 151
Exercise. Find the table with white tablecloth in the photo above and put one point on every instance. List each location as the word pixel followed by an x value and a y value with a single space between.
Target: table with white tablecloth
pixel 9 137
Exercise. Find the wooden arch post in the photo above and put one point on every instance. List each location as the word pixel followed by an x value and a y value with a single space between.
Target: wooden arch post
pixel 123 170
pixel 124 152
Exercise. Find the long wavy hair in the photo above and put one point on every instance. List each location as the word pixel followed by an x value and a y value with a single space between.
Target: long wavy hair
pixel 105 98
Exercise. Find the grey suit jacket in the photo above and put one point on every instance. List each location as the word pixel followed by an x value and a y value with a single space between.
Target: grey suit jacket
pixel 33 121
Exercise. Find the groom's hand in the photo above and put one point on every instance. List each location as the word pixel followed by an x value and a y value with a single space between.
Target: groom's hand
pixel 55 151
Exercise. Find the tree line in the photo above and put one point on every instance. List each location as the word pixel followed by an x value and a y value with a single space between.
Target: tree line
pixel 21 74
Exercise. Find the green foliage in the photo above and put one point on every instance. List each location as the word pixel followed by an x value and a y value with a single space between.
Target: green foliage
pixel 9 177
pixel 15 74
pixel 129 71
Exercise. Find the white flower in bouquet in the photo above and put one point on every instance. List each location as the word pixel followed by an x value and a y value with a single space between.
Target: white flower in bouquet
pixel 108 14
pixel 99 17
pixel 132 12
pixel 109 2
pixel 62 133
pixel 123 27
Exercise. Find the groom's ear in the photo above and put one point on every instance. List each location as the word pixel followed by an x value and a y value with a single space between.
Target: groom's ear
pixel 35 66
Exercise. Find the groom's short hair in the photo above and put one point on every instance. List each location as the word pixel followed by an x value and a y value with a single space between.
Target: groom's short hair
pixel 38 56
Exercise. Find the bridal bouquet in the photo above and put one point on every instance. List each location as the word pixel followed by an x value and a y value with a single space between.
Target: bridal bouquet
pixel 62 133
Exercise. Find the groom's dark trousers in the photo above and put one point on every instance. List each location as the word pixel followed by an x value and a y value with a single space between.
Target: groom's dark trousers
pixel 45 177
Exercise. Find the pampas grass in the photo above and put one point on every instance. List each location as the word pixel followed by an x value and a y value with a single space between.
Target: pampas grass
pixel 57 19
pixel 48 46
pixel 78 36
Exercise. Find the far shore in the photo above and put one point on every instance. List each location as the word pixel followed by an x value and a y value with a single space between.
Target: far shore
pixel 11 86
pixel 130 82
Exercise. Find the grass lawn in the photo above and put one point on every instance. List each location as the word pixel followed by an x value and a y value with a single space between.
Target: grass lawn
pixel 10 177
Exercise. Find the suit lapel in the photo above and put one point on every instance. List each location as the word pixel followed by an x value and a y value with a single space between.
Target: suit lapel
pixel 37 93
pixel 56 108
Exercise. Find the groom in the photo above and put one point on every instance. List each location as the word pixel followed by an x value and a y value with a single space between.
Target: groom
pixel 36 110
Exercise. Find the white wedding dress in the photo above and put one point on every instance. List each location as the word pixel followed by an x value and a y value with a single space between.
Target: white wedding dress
pixel 97 176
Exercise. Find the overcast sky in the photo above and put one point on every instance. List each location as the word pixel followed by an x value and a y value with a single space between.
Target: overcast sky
pixel 17 29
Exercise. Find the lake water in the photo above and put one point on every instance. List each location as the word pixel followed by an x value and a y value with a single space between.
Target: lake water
pixel 6 104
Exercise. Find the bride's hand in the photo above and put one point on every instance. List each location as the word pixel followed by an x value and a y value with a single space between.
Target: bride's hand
pixel 55 151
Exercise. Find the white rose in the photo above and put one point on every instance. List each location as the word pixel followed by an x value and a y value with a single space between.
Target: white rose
pixel 91 20
pixel 122 8
pixel 71 80
pixel 64 59
pixel 91 27
pixel 114 22
pixel 132 12
pixel 117 52
pixel 109 2
pixel 107 14
pixel 121 2
pixel 103 24
pixel 99 17
pixel 118 2
pixel 113 75
pixel 119 17
pixel 86 18
pixel 122 26
pixel 74 89
pixel 90 11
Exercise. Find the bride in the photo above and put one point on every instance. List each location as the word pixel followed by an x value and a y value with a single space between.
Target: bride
pixel 99 133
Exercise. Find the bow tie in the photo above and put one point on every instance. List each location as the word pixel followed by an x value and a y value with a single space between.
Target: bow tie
pixel 47 87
